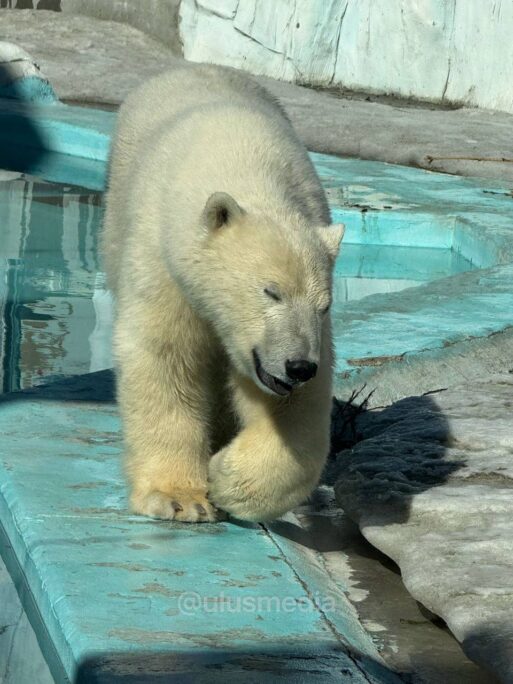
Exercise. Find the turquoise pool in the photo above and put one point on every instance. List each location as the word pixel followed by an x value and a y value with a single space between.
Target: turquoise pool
pixel 57 313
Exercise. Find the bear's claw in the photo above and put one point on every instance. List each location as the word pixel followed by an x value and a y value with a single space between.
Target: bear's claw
pixel 185 506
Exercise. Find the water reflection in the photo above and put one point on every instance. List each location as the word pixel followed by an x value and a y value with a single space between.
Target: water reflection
pixel 55 311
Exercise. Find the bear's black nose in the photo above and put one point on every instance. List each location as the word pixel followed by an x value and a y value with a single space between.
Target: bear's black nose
pixel 300 370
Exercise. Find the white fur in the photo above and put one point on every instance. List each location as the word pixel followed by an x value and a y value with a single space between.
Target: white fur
pixel 188 268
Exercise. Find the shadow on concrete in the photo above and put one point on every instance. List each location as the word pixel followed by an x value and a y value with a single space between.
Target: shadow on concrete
pixel 391 456
pixel 99 387
pixel 401 454
pixel 309 662
pixel 397 453
pixel 32 4
pixel 17 125
pixel 492 648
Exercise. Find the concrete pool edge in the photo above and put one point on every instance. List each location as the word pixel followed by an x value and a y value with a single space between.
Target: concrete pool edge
pixel 62 143
pixel 56 127
pixel 29 604
pixel 430 319
pixel 70 133
pixel 55 543
pixel 466 360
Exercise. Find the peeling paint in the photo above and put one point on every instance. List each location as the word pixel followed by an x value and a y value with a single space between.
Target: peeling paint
pixel 126 578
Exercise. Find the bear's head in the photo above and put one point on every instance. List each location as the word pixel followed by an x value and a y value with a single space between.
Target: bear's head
pixel 265 286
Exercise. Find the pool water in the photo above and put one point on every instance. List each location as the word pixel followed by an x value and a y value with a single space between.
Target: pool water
pixel 362 270
pixel 55 310
pixel 56 314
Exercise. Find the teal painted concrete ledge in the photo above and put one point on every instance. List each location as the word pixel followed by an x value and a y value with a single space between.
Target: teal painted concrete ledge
pixel 58 142
pixel 120 598
pixel 55 127
pixel 396 206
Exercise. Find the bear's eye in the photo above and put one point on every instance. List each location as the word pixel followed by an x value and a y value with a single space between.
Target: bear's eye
pixel 273 292
pixel 325 309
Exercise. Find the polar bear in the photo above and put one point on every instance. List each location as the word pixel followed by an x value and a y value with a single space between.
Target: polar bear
pixel 218 248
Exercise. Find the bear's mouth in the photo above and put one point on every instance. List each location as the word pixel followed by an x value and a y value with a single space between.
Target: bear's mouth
pixel 270 381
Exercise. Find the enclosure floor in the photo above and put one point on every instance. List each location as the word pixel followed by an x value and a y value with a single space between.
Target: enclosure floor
pixel 409 639
pixel 112 595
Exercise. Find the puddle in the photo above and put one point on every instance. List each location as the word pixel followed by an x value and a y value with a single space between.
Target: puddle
pixel 55 311
pixel 411 640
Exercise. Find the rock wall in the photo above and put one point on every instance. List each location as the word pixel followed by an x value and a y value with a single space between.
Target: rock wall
pixel 459 51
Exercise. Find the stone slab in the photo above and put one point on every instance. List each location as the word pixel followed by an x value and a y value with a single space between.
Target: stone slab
pixel 157 18
pixel 431 485
pixel 86 59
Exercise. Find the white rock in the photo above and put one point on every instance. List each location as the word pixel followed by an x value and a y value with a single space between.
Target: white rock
pixel 431 485
pixel 21 77
pixel 16 63
pixel 430 49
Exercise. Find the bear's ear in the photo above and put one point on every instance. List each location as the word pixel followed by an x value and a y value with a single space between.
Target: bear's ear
pixel 219 210
pixel 332 236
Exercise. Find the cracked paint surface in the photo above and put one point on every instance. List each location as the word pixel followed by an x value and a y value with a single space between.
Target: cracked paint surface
pixel 119 593
pixel 396 207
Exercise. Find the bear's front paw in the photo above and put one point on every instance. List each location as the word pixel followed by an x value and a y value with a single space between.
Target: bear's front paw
pixel 237 493
pixel 180 504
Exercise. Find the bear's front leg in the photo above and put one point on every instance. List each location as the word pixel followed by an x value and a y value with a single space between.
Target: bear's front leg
pixel 276 460
pixel 164 403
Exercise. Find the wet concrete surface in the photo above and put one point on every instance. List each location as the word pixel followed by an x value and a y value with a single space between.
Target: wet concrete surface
pixel 413 642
